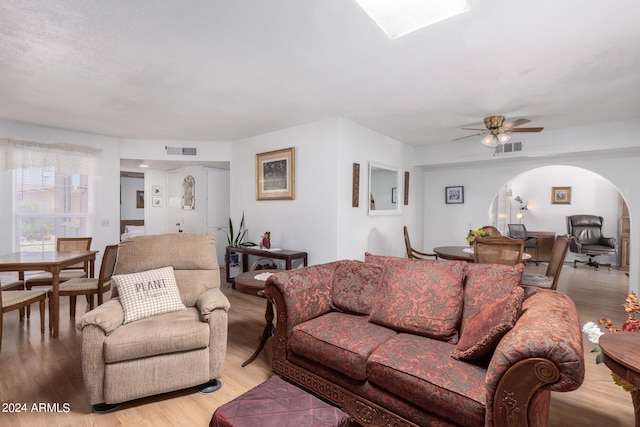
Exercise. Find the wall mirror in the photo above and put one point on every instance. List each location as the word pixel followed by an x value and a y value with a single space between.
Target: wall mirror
pixel 385 197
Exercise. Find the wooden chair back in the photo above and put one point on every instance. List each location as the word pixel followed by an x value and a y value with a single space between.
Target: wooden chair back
pixel 106 270
pixel 556 260
pixel 498 250
pixel 412 253
pixel 72 244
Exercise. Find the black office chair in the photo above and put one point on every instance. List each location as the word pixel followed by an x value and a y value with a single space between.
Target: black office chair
pixel 519 231
pixel 587 239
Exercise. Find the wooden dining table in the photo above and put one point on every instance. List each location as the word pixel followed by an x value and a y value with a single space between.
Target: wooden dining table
pixel 461 253
pixel 53 262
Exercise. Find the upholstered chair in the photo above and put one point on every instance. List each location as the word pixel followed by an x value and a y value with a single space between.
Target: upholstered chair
pixel 550 278
pixel 128 353
pixel 588 239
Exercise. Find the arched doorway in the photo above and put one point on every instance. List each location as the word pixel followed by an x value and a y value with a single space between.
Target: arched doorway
pixel 589 193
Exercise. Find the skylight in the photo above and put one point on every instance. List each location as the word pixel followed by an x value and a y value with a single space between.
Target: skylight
pixel 400 17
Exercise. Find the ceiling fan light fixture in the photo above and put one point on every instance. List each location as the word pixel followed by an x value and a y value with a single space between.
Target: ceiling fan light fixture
pixel 489 141
pixel 503 138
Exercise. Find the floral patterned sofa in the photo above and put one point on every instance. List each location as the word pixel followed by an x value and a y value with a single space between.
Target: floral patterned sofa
pixel 399 342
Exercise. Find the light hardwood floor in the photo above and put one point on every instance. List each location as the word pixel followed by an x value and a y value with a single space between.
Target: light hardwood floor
pixel 38 369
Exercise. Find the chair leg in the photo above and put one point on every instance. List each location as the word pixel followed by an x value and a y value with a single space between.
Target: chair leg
pixel 42 316
pixel 72 305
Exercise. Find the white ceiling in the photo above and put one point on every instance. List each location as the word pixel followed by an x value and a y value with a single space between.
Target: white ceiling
pixel 229 69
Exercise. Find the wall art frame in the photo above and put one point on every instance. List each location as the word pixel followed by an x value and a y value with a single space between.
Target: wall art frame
pixel 140 199
pixel 275 175
pixel 560 195
pixel 454 195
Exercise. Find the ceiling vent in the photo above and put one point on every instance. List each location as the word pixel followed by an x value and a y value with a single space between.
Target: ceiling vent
pixel 181 151
pixel 509 147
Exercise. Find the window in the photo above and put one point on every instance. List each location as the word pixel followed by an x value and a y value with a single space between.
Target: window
pixel 49 205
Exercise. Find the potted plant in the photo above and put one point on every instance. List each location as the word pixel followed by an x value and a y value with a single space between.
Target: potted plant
pixel 237 240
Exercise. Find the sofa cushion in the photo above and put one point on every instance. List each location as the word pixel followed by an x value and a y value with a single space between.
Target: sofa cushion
pixel 484 329
pixel 339 341
pixel 355 285
pixel 485 284
pixel 422 297
pixel 171 332
pixel 421 371
pixel 148 293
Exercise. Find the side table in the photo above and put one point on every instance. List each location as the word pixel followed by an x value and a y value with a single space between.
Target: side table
pixel 247 283
pixel 620 354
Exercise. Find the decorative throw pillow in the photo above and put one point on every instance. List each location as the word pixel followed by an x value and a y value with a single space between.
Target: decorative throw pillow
pixel 486 283
pixel 421 297
pixel 355 285
pixel 148 293
pixel 485 328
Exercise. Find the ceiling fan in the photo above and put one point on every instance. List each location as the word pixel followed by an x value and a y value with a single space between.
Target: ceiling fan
pixel 497 131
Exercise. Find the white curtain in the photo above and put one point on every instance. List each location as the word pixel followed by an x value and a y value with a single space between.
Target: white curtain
pixel 66 158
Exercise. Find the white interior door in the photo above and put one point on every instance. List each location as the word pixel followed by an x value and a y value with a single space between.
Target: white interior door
pixel 218 201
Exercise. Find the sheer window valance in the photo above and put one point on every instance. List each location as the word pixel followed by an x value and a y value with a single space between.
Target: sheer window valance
pixel 66 158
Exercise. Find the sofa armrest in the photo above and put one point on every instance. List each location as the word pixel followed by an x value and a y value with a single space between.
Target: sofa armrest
pixel 305 292
pixel 211 300
pixel 544 350
pixel 108 317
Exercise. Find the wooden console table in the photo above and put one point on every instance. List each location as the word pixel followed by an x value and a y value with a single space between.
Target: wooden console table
pixel 287 255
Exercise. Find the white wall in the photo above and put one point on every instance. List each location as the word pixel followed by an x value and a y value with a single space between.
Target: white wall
pixel 357 232
pixel 320 220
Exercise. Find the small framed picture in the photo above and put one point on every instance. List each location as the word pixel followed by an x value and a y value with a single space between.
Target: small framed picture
pixel 560 195
pixel 156 202
pixel 156 190
pixel 454 195
pixel 140 199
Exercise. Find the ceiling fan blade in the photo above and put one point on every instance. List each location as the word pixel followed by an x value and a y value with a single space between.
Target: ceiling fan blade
pixel 536 129
pixel 469 136
pixel 515 123
pixel 474 129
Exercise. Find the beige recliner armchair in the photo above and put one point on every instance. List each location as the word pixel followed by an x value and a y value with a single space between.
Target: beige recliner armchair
pixel 165 352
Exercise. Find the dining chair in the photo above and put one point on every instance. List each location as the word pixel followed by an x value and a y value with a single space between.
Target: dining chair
pixel 550 278
pixel 412 253
pixel 18 300
pixel 498 250
pixel 64 244
pixel 519 231
pixel 90 286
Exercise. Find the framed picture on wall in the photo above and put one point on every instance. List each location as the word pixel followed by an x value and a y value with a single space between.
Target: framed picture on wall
pixel 140 199
pixel 454 195
pixel 560 195
pixel 157 202
pixel 156 190
pixel 275 175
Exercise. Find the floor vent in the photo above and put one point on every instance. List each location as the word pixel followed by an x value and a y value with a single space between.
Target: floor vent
pixel 509 147
pixel 181 151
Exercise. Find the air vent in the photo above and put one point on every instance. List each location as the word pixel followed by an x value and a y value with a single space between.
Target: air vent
pixel 509 147
pixel 181 151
